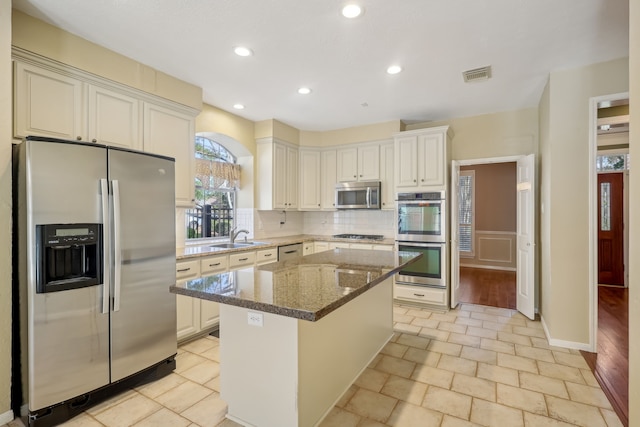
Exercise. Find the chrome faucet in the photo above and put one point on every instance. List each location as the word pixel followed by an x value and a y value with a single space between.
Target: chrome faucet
pixel 234 234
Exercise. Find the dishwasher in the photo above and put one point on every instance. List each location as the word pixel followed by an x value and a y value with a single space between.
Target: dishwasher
pixel 289 251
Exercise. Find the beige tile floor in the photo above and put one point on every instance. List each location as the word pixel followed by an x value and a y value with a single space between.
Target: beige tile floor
pixel 473 366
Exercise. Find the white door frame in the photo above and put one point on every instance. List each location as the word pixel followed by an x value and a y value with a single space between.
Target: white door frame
pixel 593 214
pixel 507 159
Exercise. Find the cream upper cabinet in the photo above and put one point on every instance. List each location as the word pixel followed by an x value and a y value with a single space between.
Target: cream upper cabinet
pixel 114 118
pixel 47 103
pixel 328 173
pixel 387 176
pixel 309 180
pixel 358 163
pixel 277 175
pixel 172 133
pixel 421 159
pixel 52 104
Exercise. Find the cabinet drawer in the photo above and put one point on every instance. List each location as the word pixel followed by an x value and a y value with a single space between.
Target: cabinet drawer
pixel 338 245
pixel 214 264
pixel 266 256
pixel 422 294
pixel 187 269
pixel 320 247
pixel 242 259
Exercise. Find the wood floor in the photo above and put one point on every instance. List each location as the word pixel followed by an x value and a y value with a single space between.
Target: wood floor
pixel 494 288
pixel 610 364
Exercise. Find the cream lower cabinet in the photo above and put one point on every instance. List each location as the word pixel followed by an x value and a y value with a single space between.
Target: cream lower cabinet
pixel 320 247
pixel 187 308
pixel 196 316
pixel 308 248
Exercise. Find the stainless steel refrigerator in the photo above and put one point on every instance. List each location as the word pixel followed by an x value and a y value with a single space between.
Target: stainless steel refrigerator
pixel 96 256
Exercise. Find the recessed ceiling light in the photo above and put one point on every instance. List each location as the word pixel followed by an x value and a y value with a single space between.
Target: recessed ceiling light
pixel 394 69
pixel 238 106
pixel 351 11
pixel 242 51
pixel 304 91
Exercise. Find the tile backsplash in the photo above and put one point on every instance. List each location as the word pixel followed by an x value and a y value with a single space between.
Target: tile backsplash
pixel 265 224
pixel 269 223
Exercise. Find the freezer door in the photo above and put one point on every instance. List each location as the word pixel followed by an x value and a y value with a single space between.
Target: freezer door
pixel 143 318
pixel 67 332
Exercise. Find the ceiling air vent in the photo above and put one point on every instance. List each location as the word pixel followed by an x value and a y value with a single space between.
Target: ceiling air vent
pixel 477 74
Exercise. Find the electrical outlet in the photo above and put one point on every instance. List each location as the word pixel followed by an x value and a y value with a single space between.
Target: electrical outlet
pixel 255 319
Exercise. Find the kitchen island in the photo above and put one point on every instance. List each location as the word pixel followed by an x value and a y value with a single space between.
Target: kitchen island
pixel 295 335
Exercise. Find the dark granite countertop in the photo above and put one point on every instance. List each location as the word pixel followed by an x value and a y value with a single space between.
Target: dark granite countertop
pixel 306 288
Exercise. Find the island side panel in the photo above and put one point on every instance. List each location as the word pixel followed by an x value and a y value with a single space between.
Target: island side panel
pixel 336 349
pixel 258 367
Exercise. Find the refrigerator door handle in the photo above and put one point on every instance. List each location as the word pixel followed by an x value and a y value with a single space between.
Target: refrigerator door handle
pixel 116 245
pixel 106 266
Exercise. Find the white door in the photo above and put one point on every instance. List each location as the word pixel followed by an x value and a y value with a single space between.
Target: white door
pixel 525 292
pixel 455 246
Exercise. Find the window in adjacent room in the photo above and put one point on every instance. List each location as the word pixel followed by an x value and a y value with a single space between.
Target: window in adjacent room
pixel 217 180
pixel 466 212
pixel 612 162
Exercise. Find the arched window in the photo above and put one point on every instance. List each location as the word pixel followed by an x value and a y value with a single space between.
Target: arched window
pixel 217 178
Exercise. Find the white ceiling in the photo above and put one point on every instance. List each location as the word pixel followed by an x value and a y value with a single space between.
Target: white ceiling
pixel 308 43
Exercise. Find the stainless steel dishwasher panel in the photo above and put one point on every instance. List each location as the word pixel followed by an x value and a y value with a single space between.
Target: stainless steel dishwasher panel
pixel 289 251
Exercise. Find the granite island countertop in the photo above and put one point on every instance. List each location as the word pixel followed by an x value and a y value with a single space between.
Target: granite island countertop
pixel 306 288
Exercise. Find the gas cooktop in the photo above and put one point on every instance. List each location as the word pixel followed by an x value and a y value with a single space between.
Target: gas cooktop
pixel 359 236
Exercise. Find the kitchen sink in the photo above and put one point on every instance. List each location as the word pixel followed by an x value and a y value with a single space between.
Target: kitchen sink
pixel 237 245
pixel 230 245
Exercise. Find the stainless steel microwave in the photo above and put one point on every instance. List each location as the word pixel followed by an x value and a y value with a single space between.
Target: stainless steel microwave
pixel 358 195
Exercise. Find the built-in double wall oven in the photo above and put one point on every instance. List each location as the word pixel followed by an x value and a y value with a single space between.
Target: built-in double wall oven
pixel 422 227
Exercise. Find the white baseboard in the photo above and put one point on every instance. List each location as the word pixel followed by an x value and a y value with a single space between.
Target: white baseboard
pixel 6 418
pixel 562 343
pixel 488 267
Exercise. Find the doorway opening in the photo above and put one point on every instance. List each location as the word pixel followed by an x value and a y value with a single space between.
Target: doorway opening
pixel 609 243
pixel 487 234
pixel 493 232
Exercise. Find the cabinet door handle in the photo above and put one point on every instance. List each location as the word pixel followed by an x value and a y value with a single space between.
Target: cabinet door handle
pixel 182 270
pixel 79 138
pixel 422 180
pixel 415 180
pixel 290 252
pixel 419 295
pixel 266 255
pixel 214 265
pixel 94 140
pixel 243 259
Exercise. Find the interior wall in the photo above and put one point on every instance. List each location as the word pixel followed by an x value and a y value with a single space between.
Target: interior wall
pixel 39 37
pixel 495 209
pixel 634 226
pixel 509 133
pixel 214 120
pixel 565 195
pixel 372 132
pixel 495 196
pixel 5 211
